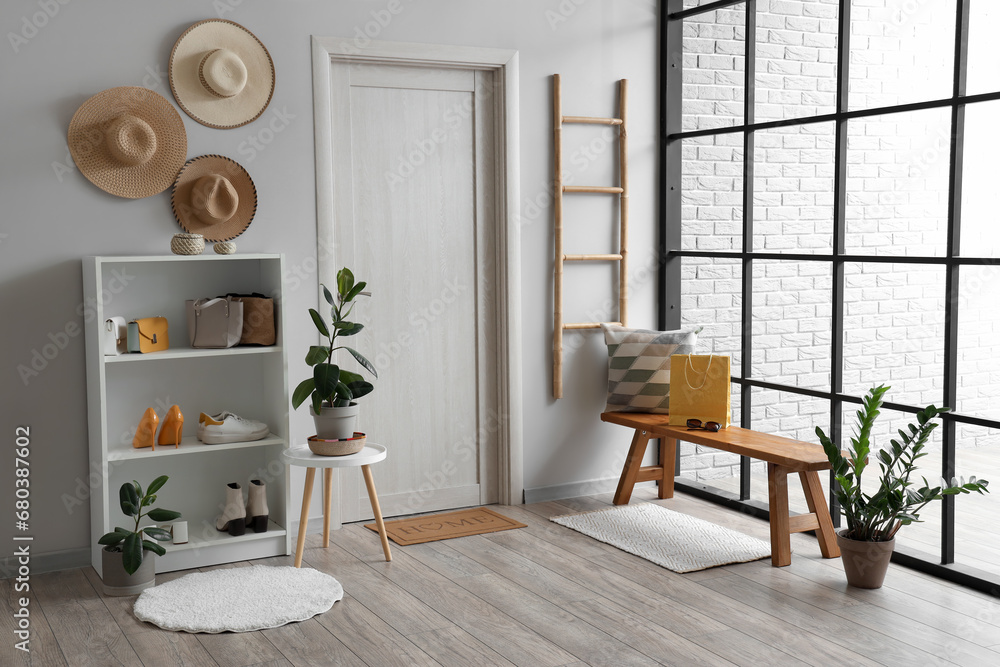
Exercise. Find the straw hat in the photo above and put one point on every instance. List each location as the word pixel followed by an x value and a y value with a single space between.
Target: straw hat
pixel 128 141
pixel 215 197
pixel 221 74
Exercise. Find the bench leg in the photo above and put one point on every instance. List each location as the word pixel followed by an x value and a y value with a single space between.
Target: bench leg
pixel 777 494
pixel 668 457
pixel 817 505
pixel 630 474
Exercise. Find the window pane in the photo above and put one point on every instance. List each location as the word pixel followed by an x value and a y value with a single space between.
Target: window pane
pixel 980 192
pixel 796 52
pixel 901 51
pixel 977 531
pixel 793 189
pixel 687 4
pixel 712 298
pixel 925 535
pixel 979 342
pixel 897 183
pixel 713 48
pixel 712 193
pixel 984 24
pixel 792 323
pixel 894 331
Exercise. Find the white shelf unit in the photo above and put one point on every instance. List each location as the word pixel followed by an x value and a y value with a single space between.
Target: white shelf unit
pixel 249 381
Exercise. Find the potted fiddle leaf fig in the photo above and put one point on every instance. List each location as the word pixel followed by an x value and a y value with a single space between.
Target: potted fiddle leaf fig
pixel 126 564
pixel 333 390
pixel 874 518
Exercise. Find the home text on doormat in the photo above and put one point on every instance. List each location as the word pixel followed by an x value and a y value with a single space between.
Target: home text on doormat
pixel 475 521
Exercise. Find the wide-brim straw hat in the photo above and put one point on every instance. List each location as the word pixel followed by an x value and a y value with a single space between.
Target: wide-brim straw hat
pixel 221 74
pixel 214 196
pixel 129 141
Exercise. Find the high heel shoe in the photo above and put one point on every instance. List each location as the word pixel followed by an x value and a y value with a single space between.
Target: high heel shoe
pixel 146 431
pixel 173 424
pixel 234 516
pixel 257 506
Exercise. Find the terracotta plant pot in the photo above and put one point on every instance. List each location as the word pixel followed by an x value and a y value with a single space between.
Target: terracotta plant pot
pixel 119 582
pixel 865 563
pixel 336 423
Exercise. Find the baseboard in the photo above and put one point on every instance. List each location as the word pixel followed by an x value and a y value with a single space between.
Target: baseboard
pixel 46 562
pixel 574 490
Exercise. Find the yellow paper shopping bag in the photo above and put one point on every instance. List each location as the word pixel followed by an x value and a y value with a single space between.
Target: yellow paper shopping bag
pixel 699 388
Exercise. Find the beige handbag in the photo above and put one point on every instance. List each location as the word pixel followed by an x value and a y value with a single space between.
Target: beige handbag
pixel 214 323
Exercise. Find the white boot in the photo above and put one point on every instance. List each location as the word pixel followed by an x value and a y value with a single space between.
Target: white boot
pixel 234 517
pixel 256 511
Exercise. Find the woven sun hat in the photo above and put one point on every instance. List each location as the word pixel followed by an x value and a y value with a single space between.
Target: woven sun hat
pixel 221 74
pixel 215 197
pixel 129 141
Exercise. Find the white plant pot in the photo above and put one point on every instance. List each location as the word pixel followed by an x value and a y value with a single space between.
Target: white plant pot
pixel 335 423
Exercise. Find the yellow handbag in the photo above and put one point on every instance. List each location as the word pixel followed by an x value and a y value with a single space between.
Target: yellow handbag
pixel 148 334
pixel 699 389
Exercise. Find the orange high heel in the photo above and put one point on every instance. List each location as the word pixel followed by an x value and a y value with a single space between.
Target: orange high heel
pixel 173 423
pixel 146 432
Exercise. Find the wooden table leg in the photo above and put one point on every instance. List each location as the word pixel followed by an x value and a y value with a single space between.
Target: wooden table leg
pixel 777 494
pixel 632 464
pixel 668 459
pixel 373 497
pixel 304 517
pixel 817 505
pixel 327 496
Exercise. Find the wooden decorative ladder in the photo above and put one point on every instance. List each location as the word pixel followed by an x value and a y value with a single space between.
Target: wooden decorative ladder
pixel 621 190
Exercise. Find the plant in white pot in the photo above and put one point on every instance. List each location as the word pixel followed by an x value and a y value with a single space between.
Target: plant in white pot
pixel 332 389
pixel 127 567
pixel 873 520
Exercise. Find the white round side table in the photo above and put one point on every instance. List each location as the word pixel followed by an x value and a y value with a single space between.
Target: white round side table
pixel 302 456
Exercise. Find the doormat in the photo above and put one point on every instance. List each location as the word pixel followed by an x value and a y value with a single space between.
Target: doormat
pixel 670 539
pixel 417 530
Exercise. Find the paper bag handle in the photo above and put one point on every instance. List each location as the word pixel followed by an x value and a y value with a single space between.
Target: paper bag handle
pixel 687 364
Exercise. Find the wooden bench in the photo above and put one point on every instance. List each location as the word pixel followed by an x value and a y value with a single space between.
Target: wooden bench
pixel 782 455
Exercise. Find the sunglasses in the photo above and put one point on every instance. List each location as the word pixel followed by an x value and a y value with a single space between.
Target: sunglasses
pixel 708 426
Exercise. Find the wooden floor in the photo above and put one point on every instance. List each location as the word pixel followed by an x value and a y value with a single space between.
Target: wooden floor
pixel 537 596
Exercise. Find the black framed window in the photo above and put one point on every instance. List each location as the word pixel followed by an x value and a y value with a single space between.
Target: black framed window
pixel 828 215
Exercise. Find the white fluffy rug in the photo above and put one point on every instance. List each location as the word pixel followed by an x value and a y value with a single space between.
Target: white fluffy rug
pixel 676 541
pixel 239 599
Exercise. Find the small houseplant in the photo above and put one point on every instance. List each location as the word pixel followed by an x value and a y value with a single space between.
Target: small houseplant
pixel 874 519
pixel 332 389
pixel 126 567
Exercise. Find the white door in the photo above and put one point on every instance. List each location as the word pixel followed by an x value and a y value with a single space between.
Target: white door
pixel 415 218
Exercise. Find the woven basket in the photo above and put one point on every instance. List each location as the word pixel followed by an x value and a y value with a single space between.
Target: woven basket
pixel 187 244
pixel 337 447
pixel 224 248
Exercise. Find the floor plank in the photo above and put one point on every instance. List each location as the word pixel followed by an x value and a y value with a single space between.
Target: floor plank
pixel 238 649
pixel 88 634
pixel 454 646
pixel 310 644
pixel 161 648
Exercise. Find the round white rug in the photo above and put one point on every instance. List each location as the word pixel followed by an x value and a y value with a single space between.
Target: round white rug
pixel 239 599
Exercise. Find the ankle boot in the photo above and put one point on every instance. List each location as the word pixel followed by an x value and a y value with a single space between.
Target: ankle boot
pixel 257 506
pixel 233 518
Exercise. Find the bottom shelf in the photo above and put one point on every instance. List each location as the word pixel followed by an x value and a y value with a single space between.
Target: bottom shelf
pixel 212 547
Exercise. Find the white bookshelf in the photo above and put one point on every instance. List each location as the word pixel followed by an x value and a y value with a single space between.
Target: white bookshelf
pixel 249 381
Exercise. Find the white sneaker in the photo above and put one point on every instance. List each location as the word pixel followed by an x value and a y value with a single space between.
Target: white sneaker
pixel 228 427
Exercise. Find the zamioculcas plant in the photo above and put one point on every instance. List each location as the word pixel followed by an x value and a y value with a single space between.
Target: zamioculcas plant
pixel 876 517
pixel 130 542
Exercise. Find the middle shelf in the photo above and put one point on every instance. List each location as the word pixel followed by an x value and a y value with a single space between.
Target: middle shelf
pixel 189 445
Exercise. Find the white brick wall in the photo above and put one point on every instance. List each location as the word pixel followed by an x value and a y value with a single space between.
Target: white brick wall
pixel 897 198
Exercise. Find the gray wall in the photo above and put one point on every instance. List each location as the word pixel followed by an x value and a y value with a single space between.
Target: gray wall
pixel 57 53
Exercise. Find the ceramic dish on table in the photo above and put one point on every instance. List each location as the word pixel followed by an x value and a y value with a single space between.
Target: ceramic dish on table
pixel 323 447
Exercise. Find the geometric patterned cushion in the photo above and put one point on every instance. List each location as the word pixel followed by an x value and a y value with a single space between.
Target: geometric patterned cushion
pixel 639 366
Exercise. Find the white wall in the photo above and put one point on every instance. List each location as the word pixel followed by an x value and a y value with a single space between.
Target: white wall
pixel 57 53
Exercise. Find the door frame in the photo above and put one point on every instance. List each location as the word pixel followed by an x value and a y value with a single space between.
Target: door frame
pixel 504 64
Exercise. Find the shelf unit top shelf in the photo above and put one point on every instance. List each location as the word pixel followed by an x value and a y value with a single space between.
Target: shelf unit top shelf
pixel 189 445
pixel 113 259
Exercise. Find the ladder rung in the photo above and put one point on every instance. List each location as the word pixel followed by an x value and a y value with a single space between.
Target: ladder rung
pixel 591 188
pixel 588 325
pixel 591 258
pixel 590 120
